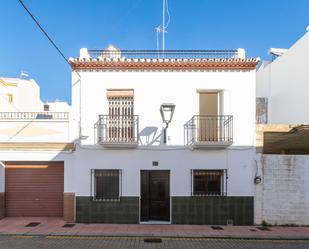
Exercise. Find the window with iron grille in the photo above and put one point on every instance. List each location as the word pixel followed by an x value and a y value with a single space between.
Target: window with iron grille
pixel 120 106
pixel 106 184
pixel 208 182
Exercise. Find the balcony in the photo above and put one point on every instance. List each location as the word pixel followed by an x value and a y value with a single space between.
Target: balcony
pixel 34 127
pixel 209 131
pixel 119 131
pixel 6 116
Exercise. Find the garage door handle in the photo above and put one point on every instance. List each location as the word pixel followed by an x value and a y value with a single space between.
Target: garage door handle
pixel 36 199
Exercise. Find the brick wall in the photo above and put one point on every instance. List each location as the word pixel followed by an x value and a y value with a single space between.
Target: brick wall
pixel 283 196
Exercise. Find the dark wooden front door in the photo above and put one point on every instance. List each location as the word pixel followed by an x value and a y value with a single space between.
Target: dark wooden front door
pixel 155 197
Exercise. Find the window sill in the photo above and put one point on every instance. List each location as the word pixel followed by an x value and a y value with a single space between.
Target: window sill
pixel 207 195
pixel 106 200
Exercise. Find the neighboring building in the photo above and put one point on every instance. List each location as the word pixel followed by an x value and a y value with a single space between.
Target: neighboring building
pixel 281 195
pixel 25 118
pixel 35 152
pixel 282 85
pixel 19 95
pixel 123 171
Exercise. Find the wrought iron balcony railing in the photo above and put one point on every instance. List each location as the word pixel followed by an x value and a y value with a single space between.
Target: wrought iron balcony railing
pixel 118 130
pixel 209 130
pixel 34 116
pixel 168 54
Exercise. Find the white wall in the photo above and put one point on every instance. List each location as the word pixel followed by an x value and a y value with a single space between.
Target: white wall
pixel 29 96
pixel 179 161
pixel 78 165
pixel 285 83
pixel 59 106
pixel 26 95
pixel 35 131
pixel 282 197
pixel 4 104
pixel 151 89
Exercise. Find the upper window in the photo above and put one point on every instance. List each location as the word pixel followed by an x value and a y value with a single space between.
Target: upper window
pixel 46 107
pixel 9 97
pixel 208 182
pixel 107 184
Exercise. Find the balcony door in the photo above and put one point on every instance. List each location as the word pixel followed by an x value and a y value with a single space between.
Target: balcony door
pixel 120 111
pixel 208 116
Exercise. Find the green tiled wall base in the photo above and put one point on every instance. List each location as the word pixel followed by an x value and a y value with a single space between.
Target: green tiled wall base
pixel 212 210
pixel 125 211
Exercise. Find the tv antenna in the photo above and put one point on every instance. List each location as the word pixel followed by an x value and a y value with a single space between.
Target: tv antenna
pixel 163 28
pixel 23 74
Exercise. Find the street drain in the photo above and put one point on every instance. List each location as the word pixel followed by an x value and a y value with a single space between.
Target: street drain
pixel 68 225
pixel 217 228
pixel 32 224
pixel 264 228
pixel 153 240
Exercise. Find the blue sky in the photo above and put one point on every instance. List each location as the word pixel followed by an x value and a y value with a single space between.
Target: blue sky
pixel 255 25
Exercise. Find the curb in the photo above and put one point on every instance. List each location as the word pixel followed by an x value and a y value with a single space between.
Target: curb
pixel 142 236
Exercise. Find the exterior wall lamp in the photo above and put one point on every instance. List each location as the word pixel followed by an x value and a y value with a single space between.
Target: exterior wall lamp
pixel 167 112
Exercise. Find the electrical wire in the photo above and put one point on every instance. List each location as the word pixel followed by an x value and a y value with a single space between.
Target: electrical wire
pixel 44 32
pixel 47 35
pixel 126 15
pixel 53 44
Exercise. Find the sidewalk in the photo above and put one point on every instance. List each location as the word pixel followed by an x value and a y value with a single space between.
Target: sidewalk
pixel 53 226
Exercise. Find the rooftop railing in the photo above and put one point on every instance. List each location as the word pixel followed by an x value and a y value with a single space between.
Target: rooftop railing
pixel 169 54
pixel 34 116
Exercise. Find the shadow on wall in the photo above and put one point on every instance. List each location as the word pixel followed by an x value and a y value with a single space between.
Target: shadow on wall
pixel 149 136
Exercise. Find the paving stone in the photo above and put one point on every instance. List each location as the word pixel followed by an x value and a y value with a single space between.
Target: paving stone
pixel 24 242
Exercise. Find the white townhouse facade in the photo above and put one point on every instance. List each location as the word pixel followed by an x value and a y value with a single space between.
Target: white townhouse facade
pixel 110 158
pixel 124 169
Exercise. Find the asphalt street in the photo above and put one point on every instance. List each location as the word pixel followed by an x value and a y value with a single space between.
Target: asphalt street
pixel 68 242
